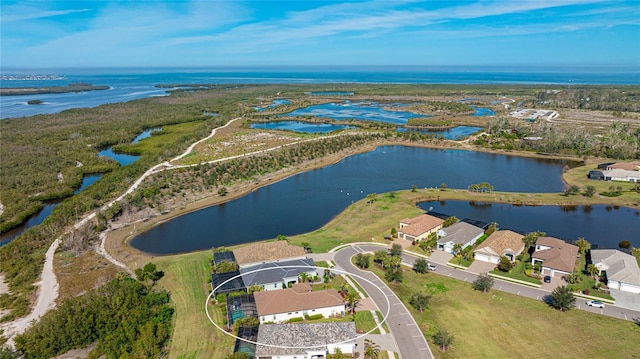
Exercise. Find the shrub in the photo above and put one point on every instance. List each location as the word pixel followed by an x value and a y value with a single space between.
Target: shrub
pixel 314 317
pixel 296 319
pixel 624 244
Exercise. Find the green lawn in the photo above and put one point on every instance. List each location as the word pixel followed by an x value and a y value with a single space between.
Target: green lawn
pixel 194 336
pixel 502 325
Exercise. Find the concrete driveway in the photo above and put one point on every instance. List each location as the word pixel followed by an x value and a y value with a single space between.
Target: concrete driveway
pixel 626 299
pixel 481 267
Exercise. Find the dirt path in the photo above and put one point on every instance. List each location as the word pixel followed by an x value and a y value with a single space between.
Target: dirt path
pixel 47 294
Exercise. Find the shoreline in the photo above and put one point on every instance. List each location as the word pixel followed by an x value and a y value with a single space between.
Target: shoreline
pixel 119 239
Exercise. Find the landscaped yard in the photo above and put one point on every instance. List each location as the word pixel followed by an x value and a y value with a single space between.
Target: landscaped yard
pixel 502 325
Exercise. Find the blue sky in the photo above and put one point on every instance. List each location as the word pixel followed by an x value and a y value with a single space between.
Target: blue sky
pixel 247 33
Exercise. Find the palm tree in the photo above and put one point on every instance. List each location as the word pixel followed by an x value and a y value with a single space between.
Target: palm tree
pixel 583 245
pixel 352 300
pixel 304 277
pixel 371 349
pixel 592 270
pixel 457 249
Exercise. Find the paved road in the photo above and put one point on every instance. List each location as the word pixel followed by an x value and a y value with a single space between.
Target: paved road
pixel 409 339
pixel 525 291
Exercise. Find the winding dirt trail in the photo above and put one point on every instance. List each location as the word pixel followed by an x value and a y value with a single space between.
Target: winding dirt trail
pixel 47 291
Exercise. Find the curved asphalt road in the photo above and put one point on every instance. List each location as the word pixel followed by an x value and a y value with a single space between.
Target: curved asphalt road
pixel 410 342
pixel 406 333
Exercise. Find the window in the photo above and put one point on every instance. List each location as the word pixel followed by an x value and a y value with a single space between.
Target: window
pixel 275 285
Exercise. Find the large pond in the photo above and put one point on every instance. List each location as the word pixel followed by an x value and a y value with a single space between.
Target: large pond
pixel 307 201
pixel 298 126
pixel 362 110
pixel 603 225
pixel 454 133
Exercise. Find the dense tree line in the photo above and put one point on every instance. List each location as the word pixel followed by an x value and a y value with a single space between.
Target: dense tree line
pixel 620 141
pixel 40 145
pixel 125 318
pixel 603 98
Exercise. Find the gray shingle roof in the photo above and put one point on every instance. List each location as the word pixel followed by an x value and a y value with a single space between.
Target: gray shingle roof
pixel 311 336
pixel 274 271
pixel 620 267
pixel 460 233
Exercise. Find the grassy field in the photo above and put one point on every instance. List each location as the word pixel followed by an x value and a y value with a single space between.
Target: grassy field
pixel 502 325
pixel 193 335
pixel 499 325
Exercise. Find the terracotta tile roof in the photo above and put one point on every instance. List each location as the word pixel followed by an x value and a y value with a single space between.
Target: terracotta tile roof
pixel 561 255
pixel 500 242
pixel 421 224
pixel 266 252
pixel 292 300
pixel 629 166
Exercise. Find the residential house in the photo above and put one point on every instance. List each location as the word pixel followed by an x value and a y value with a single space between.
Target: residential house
pixel 628 166
pixel 305 341
pixel 419 228
pixel 262 252
pixel 277 275
pixel 618 174
pixel 556 257
pixel 279 306
pixel 620 269
pixel 500 243
pixel 458 233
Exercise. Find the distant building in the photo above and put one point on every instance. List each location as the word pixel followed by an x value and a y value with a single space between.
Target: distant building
pixel 279 306
pixel 419 228
pixel 627 166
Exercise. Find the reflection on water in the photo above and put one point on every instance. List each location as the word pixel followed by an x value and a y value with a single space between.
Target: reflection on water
pixel 603 225
pixel 298 126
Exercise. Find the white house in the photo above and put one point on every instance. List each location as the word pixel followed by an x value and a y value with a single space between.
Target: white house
pixel 305 341
pixel 419 228
pixel 618 174
pixel 556 257
pixel 458 233
pixel 621 269
pixel 296 302
pixel 277 275
pixel 499 243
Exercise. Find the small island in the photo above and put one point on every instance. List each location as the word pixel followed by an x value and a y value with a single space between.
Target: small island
pixel 72 87
pixel 34 102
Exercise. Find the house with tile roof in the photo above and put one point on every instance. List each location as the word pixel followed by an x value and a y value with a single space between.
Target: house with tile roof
pixel 277 275
pixel 500 243
pixel 620 269
pixel 419 228
pixel 305 341
pixel 458 233
pixel 279 306
pixel 262 252
pixel 556 257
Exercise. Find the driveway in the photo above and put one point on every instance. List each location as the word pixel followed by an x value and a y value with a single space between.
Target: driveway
pixel 440 257
pixel 481 267
pixel 626 299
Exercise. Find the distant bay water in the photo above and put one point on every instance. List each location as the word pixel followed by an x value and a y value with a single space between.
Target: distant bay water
pixel 134 83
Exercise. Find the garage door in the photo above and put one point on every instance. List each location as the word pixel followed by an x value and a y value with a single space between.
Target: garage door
pixel 486 258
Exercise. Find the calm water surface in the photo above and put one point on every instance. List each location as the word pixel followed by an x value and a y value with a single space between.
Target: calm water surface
pixel 366 111
pixel 307 201
pixel 455 133
pixel 298 126
pixel 603 225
